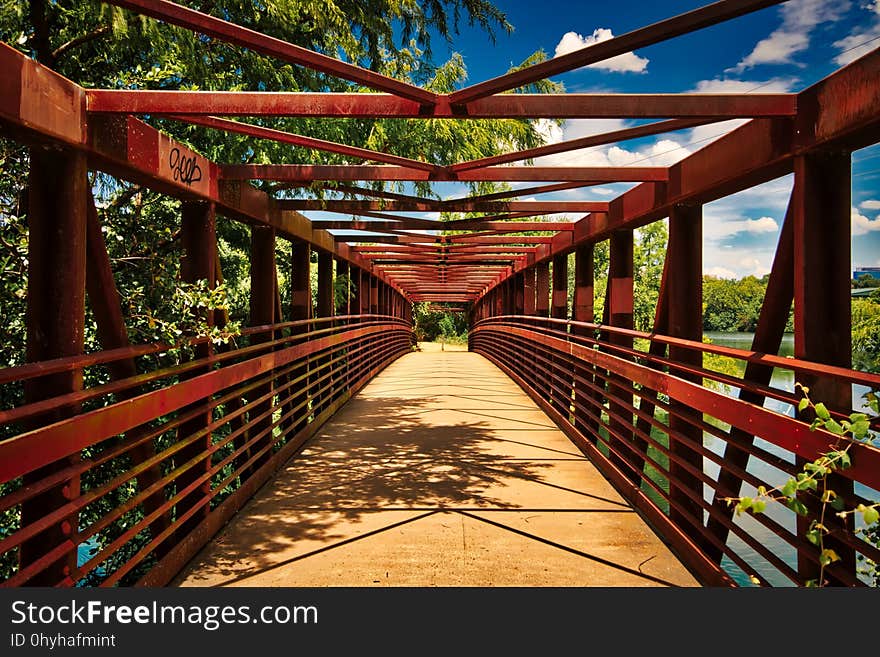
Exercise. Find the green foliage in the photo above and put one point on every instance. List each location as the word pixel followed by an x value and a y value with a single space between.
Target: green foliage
pixel 865 281
pixel 732 305
pixel 343 290
pixel 432 324
pixel 649 254
pixel 813 482
pixel 866 333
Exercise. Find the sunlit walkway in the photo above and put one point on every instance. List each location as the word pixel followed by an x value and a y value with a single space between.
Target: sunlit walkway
pixel 441 472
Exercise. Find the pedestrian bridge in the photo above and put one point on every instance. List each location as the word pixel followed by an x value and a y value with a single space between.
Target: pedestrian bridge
pixel 319 447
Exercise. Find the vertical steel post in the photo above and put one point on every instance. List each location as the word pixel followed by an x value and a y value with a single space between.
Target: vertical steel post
pixel 685 303
pixel 542 289
pixel 529 291
pixel 199 241
pixel 561 378
pixel 354 307
pixel 620 279
pixel 582 311
pixel 55 328
pixel 324 309
pixel 519 293
pixel 560 287
pixel 300 309
pixel 542 309
pixel 374 295
pixel 262 312
pixel 822 320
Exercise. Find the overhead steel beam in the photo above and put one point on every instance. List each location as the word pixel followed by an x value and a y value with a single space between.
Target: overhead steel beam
pixel 348 206
pixel 509 227
pixel 343 172
pixel 505 106
pixel 527 191
pixel 303 141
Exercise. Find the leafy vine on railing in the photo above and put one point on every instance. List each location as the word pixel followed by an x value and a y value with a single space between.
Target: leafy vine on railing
pixel 813 480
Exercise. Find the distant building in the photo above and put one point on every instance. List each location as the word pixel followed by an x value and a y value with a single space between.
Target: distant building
pixel 870 271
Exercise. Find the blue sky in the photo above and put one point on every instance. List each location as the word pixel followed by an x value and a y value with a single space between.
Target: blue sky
pixel 784 48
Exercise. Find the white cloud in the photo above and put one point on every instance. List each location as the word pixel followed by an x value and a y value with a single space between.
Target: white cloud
pixel 626 63
pixel 720 272
pixel 577 128
pixel 735 263
pixel 799 18
pixel 861 225
pixel 778 48
pixel 870 204
pixel 602 191
pixel 733 86
pixel 761 225
pixel 859 43
pixel 717 227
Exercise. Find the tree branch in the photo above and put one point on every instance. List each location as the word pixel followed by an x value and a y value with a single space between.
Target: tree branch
pixel 62 50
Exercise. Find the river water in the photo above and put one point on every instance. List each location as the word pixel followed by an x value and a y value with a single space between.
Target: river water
pixel 782 379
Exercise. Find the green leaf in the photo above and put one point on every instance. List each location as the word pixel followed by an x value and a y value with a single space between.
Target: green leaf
pixel 758 506
pixel 828 556
pixel 870 515
pixel 822 412
pixel 860 427
pixel 802 404
pixel 797 506
pixel 790 488
pixel 814 536
pixel 833 427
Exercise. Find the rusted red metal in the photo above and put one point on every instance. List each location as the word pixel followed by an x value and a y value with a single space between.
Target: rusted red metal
pixel 356 207
pixel 57 237
pixel 349 172
pixel 280 136
pixel 822 317
pixel 506 106
pixel 684 287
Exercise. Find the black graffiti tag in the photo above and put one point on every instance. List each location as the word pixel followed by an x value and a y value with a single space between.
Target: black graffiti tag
pixel 186 169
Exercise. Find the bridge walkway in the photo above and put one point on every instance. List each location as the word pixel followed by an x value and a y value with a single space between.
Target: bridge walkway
pixel 440 472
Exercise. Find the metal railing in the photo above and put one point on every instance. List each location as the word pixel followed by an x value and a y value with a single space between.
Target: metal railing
pixel 678 438
pixel 129 478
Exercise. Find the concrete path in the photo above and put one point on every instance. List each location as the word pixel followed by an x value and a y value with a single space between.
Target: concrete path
pixel 440 472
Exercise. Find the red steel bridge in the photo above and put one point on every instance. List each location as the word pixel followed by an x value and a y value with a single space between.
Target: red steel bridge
pixel 634 403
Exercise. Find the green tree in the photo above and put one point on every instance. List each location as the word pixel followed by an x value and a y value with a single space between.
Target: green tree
pixel 649 254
